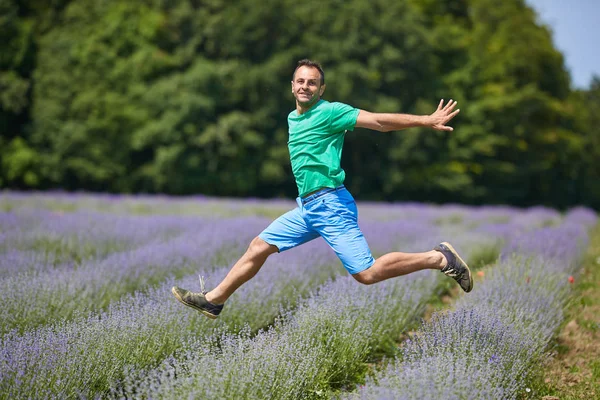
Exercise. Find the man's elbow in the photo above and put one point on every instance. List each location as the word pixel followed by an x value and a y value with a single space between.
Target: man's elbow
pixel 378 126
pixel 374 125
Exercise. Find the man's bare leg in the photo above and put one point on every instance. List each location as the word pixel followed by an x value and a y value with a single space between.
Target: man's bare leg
pixel 211 303
pixel 443 257
pixel 396 264
pixel 390 265
pixel 242 271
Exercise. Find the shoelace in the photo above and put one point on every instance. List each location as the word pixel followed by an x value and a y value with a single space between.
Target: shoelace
pixel 216 306
pixel 201 284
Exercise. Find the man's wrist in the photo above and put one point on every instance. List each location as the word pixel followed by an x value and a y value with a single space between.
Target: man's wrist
pixel 425 121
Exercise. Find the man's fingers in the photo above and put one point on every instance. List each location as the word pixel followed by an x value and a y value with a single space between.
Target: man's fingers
pixel 445 113
pixel 450 116
pixel 451 104
pixel 443 128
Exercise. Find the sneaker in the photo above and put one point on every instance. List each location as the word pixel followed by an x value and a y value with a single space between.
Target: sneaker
pixel 456 268
pixel 197 301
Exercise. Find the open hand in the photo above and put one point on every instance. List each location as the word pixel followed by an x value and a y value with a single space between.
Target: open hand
pixel 443 114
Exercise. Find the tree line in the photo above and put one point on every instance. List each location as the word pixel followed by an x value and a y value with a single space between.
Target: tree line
pixel 191 96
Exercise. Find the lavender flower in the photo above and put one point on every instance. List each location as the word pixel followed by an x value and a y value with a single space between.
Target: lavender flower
pixel 101 321
pixel 489 344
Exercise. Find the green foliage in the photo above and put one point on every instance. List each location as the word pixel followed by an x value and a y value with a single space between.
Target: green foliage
pixel 586 171
pixel 20 163
pixel 192 97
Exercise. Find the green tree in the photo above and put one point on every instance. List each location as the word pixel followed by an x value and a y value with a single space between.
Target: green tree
pixel 191 96
pixel 16 157
pixel 586 169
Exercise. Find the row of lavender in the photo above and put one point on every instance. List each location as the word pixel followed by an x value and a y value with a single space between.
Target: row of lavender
pixel 54 266
pixel 43 280
pixel 51 347
pixel 72 319
pixel 494 338
pixel 322 346
pixel 86 355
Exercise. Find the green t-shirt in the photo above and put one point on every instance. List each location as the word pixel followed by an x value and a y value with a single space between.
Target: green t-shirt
pixel 315 144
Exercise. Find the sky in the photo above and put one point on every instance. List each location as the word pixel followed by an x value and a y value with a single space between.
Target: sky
pixel 576 32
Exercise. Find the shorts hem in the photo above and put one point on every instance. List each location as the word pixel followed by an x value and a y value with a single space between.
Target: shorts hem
pixel 270 243
pixel 354 272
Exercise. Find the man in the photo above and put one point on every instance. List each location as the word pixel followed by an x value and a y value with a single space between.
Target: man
pixel 325 207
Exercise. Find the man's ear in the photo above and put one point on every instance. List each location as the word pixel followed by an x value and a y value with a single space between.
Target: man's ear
pixel 321 90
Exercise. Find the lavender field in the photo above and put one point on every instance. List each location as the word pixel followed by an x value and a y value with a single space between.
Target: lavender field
pixel 87 311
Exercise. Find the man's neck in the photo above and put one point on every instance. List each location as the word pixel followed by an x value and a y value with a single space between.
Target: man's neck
pixel 302 109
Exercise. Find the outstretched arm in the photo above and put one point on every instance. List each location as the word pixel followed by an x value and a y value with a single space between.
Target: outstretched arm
pixel 394 122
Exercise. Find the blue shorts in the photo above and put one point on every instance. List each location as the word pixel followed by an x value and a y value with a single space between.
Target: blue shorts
pixel 331 214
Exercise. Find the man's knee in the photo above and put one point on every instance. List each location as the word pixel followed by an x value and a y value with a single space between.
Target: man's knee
pixel 260 247
pixel 365 277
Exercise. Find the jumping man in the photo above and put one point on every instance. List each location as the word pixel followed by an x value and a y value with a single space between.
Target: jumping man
pixel 325 207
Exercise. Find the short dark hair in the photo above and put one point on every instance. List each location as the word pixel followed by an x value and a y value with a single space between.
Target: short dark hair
pixel 309 63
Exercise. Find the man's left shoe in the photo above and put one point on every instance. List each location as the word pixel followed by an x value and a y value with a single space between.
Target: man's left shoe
pixel 456 268
pixel 197 301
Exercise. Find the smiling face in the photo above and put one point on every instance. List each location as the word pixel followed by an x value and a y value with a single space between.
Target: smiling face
pixel 307 87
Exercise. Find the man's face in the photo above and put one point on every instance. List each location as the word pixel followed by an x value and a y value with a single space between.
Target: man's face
pixel 306 86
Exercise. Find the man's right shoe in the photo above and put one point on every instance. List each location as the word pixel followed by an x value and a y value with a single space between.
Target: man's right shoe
pixel 456 268
pixel 197 301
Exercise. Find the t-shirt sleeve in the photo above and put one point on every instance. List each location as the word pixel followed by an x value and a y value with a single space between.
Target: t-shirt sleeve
pixel 343 117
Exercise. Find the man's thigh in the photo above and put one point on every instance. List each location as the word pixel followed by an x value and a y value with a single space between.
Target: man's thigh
pixel 288 231
pixel 335 217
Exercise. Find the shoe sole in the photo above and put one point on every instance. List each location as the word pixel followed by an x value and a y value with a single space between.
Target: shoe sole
pixel 182 301
pixel 449 246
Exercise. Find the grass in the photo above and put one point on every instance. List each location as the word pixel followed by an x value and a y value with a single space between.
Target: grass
pixel 573 371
